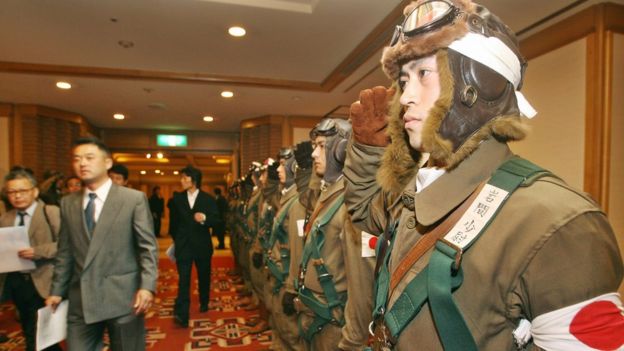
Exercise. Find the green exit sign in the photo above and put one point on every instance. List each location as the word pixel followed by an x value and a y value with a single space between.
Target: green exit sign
pixel 172 140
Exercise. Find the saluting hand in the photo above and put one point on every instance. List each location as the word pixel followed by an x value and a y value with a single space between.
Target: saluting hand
pixel 143 301
pixel 369 116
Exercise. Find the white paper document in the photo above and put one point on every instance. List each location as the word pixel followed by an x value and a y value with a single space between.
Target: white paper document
pixel 171 253
pixel 12 240
pixel 51 327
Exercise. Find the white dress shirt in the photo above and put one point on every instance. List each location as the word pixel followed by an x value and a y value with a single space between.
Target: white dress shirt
pixel 426 176
pixel 192 196
pixel 101 193
pixel 30 211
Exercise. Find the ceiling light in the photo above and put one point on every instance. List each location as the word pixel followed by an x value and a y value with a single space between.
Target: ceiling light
pixel 208 118
pixel 63 85
pixel 176 172
pixel 222 161
pixel 143 172
pixel 227 94
pixel 157 171
pixel 159 155
pixel 148 156
pixel 237 31
pixel 118 116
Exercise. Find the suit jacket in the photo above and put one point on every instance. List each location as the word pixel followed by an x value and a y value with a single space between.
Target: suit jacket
pixel 222 206
pixel 192 239
pixel 43 236
pixel 121 257
pixel 157 205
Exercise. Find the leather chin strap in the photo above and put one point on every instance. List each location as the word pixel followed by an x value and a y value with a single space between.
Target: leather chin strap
pixel 480 95
pixel 289 167
pixel 335 149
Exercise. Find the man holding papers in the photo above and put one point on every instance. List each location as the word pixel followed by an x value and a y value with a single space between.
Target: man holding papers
pixel 28 289
pixel 107 262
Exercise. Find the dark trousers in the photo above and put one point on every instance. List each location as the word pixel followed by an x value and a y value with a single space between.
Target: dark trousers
pixel 20 288
pixel 126 333
pixel 183 301
pixel 219 231
pixel 157 222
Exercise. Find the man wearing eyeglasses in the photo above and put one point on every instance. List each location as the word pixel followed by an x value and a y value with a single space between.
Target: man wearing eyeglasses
pixel 479 249
pixel 28 290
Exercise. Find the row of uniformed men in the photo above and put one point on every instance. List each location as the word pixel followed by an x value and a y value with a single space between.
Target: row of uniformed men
pixel 294 243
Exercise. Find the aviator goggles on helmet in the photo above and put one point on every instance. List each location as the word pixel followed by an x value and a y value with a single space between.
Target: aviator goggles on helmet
pixel 426 17
pixel 285 153
pixel 326 127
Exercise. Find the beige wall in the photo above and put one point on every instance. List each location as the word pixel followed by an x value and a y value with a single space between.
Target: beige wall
pixel 300 134
pixel 616 180
pixel 555 86
pixel 5 163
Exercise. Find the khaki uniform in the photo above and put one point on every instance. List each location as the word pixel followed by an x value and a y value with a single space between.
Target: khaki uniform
pixel 250 227
pixel 360 280
pixel 286 332
pixel 258 274
pixel 332 254
pixel 549 246
pixel 233 221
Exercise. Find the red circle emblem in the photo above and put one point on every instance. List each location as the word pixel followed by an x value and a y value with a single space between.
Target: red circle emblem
pixel 599 325
pixel 372 242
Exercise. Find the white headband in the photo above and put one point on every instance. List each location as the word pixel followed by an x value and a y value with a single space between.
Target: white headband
pixel 493 53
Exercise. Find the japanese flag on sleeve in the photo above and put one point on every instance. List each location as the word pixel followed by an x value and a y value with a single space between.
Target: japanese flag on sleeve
pixel 594 324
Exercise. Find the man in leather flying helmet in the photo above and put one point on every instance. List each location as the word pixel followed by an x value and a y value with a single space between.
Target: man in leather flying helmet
pixel 479 249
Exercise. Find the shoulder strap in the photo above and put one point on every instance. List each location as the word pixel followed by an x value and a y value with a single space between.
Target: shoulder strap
pixel 444 265
pixel 443 275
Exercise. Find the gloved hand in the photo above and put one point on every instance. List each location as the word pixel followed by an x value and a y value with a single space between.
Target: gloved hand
pixel 369 116
pixel 272 170
pixel 303 154
pixel 257 259
pixel 288 304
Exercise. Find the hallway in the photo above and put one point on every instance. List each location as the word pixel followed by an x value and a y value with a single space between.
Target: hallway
pixel 223 327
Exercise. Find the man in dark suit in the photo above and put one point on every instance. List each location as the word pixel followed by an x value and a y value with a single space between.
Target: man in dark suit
pixel 107 260
pixel 157 206
pixel 28 289
pixel 192 213
pixel 219 228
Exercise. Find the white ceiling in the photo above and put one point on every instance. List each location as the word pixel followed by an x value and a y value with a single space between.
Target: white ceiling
pixel 288 42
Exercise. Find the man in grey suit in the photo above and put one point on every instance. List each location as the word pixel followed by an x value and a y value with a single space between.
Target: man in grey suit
pixel 28 289
pixel 107 260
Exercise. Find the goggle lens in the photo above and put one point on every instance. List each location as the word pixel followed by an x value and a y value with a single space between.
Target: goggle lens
pixel 424 18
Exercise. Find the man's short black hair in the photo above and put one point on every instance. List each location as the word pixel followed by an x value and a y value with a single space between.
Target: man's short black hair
pixel 94 141
pixel 119 169
pixel 155 188
pixel 217 191
pixel 194 173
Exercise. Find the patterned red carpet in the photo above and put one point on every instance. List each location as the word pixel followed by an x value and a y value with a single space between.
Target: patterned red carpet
pixel 221 328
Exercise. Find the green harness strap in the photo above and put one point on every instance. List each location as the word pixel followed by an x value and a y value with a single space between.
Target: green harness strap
pixel 250 233
pixel 444 274
pixel 265 224
pixel 312 250
pixel 279 234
